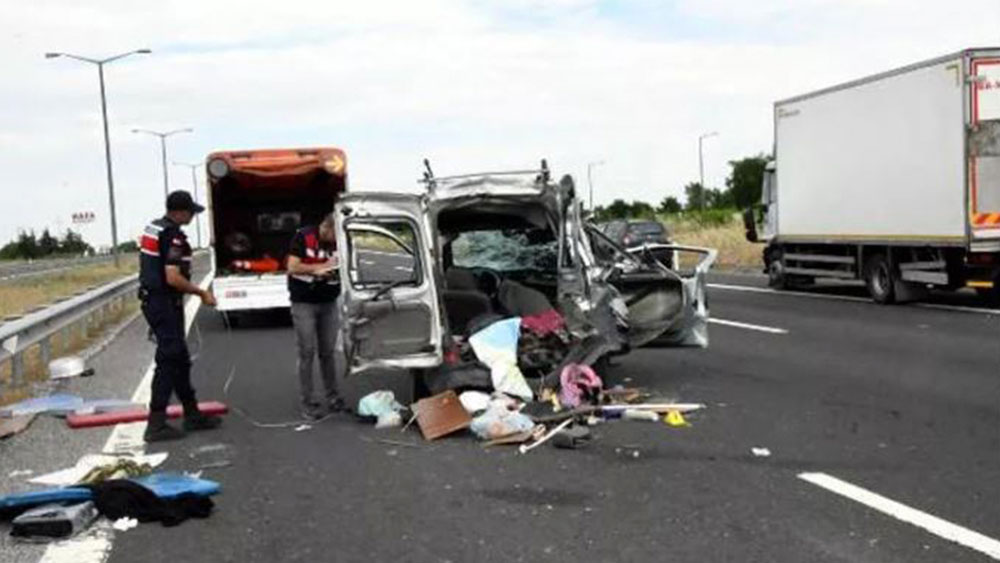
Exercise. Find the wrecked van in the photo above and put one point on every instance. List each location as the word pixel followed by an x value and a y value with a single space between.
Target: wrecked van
pixel 423 272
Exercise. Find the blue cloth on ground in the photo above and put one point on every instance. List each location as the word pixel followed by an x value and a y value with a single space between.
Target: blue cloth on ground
pixel 163 485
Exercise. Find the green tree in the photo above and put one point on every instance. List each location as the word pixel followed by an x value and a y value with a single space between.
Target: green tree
pixel 670 205
pixel 128 246
pixel 27 245
pixel 47 244
pixel 641 209
pixel 744 182
pixel 694 197
pixel 617 210
pixel 73 243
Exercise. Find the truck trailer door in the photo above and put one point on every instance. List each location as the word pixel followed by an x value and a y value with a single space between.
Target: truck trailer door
pixel 391 314
pixel 984 148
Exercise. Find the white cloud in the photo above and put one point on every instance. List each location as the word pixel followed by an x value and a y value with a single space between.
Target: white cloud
pixel 468 84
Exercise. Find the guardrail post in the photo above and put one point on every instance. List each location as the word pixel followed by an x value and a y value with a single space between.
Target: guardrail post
pixel 45 351
pixel 17 370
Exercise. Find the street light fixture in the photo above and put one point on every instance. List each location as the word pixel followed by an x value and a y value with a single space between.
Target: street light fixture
pixel 194 185
pixel 107 142
pixel 163 149
pixel 590 182
pixel 701 165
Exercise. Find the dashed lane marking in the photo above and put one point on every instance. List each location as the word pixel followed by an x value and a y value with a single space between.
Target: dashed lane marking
pixel 748 326
pixel 933 524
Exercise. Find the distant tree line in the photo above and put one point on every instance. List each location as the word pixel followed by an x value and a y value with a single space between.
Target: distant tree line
pixel 742 190
pixel 28 246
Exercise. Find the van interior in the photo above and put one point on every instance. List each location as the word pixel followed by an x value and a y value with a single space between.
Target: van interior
pixel 499 259
pixel 255 216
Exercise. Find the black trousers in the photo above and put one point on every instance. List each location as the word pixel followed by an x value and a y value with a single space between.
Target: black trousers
pixel 165 315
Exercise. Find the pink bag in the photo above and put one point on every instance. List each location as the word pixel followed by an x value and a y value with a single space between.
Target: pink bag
pixel 575 382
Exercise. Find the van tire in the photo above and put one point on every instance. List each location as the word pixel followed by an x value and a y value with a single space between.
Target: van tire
pixel 881 278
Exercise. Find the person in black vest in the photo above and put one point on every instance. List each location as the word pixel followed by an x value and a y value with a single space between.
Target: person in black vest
pixel 313 285
pixel 164 279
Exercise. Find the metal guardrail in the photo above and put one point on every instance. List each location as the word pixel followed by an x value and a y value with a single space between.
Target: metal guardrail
pixel 14 270
pixel 77 313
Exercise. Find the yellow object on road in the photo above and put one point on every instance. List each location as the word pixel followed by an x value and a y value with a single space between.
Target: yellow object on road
pixel 676 419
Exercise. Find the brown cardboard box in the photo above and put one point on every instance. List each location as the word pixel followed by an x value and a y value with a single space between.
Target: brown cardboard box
pixel 441 415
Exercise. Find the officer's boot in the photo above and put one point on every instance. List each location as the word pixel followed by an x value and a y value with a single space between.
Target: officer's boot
pixel 195 420
pixel 157 430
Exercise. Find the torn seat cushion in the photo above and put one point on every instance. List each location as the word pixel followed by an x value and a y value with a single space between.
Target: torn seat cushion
pixel 522 301
pixel 462 306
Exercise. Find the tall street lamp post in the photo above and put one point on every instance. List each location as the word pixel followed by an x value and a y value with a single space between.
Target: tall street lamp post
pixel 194 187
pixel 163 149
pixel 107 142
pixel 701 166
pixel 590 182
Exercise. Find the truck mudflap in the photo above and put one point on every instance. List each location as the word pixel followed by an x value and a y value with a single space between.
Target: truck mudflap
pixel 246 293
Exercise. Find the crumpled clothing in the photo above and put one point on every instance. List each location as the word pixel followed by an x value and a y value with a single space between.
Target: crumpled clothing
pixel 577 382
pixel 496 346
pixel 121 498
pixel 120 469
pixel 545 323
pixel 501 419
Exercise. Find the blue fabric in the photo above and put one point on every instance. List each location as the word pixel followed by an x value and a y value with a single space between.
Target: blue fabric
pixel 35 498
pixel 163 485
pixel 172 485
pixel 58 403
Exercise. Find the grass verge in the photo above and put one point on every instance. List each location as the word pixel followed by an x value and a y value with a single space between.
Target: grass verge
pixel 21 295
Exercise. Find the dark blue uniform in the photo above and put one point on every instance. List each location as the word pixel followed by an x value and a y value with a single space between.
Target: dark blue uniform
pixel 163 243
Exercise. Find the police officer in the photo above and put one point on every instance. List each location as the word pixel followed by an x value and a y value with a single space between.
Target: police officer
pixel 313 286
pixel 164 278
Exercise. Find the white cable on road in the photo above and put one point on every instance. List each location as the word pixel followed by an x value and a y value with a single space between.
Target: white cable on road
pixel 748 326
pixel 933 524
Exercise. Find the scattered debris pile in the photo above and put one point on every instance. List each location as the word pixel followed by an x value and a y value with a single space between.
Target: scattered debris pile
pixel 483 387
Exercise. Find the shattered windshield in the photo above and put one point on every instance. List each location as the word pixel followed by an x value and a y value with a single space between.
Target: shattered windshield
pixel 505 250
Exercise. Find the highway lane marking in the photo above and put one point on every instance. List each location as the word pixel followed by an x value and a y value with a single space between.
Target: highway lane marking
pixel 933 524
pixel 748 326
pixel 938 306
pixel 94 546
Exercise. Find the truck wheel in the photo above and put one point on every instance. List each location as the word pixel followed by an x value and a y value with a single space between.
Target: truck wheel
pixel 776 277
pixel 880 277
pixel 990 296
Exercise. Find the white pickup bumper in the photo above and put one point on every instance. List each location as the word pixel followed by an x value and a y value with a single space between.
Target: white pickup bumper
pixel 245 293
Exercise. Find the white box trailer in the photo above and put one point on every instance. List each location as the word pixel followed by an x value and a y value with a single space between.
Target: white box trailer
pixel 893 179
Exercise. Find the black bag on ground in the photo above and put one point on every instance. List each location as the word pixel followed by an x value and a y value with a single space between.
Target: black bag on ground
pixel 121 498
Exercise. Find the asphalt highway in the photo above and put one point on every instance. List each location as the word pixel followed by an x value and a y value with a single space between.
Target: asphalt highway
pixel 882 424
pixel 901 401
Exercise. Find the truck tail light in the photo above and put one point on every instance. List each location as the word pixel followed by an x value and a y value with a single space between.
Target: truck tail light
pixel 982 259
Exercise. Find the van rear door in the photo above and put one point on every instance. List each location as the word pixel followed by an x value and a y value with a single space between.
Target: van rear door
pixel 391 313
pixel 984 147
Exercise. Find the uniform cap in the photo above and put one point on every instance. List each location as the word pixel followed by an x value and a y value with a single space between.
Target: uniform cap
pixel 181 200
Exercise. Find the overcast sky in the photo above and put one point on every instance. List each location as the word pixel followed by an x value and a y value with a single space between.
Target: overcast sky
pixel 471 85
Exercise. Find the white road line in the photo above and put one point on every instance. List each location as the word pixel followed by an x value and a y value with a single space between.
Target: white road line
pixel 958 308
pixel 95 545
pixel 938 306
pixel 933 524
pixel 748 326
pixel 753 289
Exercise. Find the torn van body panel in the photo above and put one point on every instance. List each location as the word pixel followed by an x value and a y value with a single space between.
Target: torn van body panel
pixel 475 249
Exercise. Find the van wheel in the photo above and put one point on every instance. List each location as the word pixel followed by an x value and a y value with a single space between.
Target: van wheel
pixel 880 277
